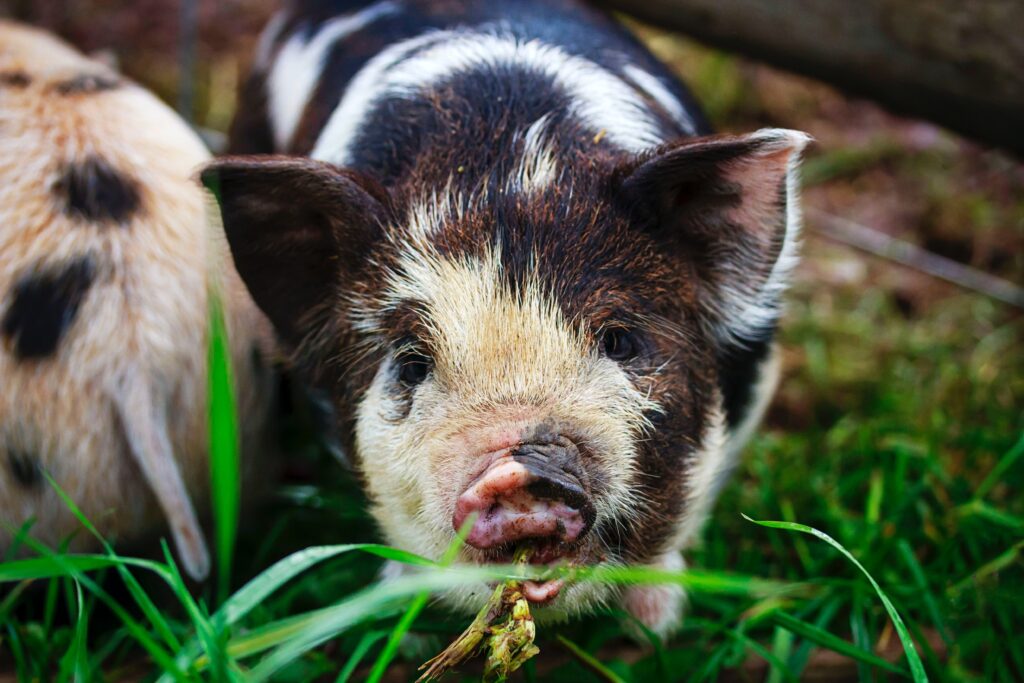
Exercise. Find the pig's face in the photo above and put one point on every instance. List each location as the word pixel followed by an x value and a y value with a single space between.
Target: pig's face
pixel 543 362
pixel 527 399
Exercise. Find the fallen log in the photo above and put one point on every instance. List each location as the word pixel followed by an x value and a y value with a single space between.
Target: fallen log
pixel 959 63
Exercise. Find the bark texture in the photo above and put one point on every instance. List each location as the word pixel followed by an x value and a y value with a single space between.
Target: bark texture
pixel 959 63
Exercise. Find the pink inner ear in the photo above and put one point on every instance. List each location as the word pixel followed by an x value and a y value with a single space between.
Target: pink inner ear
pixel 761 180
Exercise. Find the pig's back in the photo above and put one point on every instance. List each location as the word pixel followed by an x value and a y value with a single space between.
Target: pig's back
pixel 104 255
pixel 372 85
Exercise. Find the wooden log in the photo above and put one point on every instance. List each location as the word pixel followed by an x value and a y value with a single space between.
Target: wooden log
pixel 959 63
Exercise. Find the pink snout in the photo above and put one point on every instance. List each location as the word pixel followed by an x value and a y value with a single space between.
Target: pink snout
pixel 526 495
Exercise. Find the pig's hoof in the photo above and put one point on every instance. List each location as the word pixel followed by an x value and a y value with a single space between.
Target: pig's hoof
pixel 659 608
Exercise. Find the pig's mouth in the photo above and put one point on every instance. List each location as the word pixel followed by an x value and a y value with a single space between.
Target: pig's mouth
pixel 542 552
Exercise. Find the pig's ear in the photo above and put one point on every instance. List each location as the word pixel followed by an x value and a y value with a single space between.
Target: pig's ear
pixel 298 230
pixel 728 206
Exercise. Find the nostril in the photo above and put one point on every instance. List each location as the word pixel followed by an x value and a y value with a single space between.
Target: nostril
pixel 564 491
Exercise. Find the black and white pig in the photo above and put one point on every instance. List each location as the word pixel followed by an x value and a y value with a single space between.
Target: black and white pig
pixel 535 286
pixel 106 259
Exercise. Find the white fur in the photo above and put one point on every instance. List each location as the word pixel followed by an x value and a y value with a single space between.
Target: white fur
pixel 538 163
pixel 659 607
pixel 601 100
pixel 268 40
pixel 300 62
pixel 660 94
pixel 706 468
pixel 764 389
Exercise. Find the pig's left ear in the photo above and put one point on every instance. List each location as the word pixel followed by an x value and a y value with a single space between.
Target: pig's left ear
pixel 727 205
pixel 299 230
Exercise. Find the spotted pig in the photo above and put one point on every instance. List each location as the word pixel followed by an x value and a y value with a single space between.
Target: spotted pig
pixel 106 258
pixel 541 293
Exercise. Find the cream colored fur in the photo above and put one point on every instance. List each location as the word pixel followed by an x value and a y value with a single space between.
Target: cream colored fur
pixel 142 327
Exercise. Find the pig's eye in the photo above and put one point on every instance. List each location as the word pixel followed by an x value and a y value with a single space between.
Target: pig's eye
pixel 413 368
pixel 620 344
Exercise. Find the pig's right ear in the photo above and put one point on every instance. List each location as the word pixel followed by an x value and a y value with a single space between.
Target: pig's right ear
pixel 299 230
pixel 727 206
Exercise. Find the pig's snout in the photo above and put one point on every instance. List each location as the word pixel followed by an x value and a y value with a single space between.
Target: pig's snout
pixel 536 491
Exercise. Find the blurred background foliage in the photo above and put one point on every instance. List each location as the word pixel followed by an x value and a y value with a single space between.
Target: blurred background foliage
pixel 897 427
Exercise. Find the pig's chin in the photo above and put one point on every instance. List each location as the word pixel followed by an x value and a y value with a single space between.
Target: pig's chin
pixel 543 553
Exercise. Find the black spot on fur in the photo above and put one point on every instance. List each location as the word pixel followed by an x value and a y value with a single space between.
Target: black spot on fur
pixel 15 79
pixel 87 83
pixel 25 468
pixel 43 306
pixel 94 190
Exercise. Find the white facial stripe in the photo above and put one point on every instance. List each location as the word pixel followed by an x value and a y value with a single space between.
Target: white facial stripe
pixel 707 467
pixel 660 94
pixel 432 211
pixel 764 389
pixel 299 64
pixel 268 39
pixel 538 166
pixel 599 98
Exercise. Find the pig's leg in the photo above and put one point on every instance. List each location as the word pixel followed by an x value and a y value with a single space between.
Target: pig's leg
pixel 145 425
pixel 659 608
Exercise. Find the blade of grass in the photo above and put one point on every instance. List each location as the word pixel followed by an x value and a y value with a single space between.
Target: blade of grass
pixel 589 662
pixel 653 639
pixel 144 602
pixel 18 653
pixel 155 650
pixel 203 626
pixel 74 663
pixel 696 581
pixel 50 608
pixel 744 642
pixel 916 571
pixel 259 588
pixel 417 605
pixel 328 623
pixel 262 586
pixel 1005 559
pixel 982 510
pixel 825 610
pixel 45 567
pixel 12 550
pixel 368 640
pixel 1004 464
pixel 832 642
pixel 225 479
pixel 916 667
pixel 862 639
pixel 11 599
pixel 782 646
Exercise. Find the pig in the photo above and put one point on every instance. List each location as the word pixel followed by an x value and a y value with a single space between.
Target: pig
pixel 106 259
pixel 541 294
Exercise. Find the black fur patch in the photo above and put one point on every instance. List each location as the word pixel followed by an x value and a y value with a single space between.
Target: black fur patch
pixel 94 190
pixel 25 468
pixel 87 83
pixel 739 369
pixel 43 306
pixel 15 79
